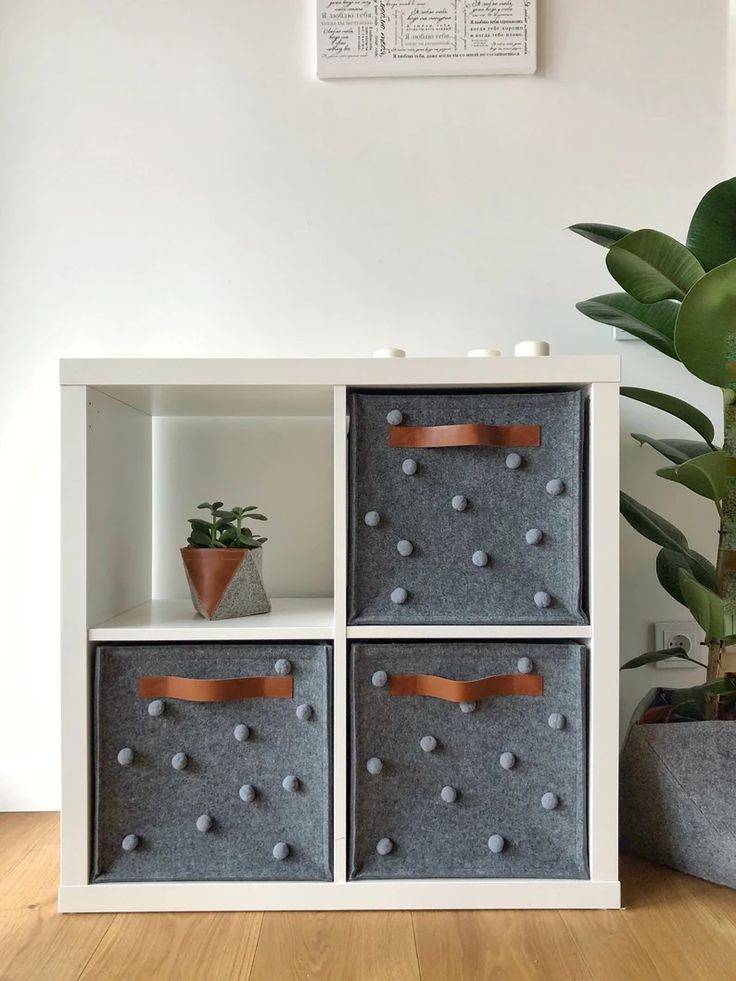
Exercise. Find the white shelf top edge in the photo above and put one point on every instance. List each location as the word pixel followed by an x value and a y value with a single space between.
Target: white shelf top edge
pixel 472 632
pixel 553 370
pixel 176 620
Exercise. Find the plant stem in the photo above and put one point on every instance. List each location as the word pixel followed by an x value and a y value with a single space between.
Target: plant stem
pixel 725 566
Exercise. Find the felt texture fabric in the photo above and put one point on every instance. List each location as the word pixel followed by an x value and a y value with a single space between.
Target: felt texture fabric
pixel 678 796
pixel 161 805
pixel 470 753
pixel 463 501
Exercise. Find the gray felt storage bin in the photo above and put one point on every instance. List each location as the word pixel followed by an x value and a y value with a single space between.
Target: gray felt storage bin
pixel 448 532
pixel 205 789
pixel 494 787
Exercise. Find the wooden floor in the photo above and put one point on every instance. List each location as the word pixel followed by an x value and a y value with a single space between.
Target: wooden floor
pixel 675 927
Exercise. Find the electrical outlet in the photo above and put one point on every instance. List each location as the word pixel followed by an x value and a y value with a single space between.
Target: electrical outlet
pixel 678 633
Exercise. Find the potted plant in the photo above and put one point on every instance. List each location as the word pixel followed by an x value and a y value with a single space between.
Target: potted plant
pixel 223 563
pixel 678 795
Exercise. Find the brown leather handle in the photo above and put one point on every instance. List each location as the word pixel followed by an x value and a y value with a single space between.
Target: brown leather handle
pixel 214 689
pixel 433 686
pixel 468 434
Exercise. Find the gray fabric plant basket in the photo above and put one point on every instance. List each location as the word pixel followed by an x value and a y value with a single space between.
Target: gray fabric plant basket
pixel 143 794
pixel 678 795
pixel 226 583
pixel 402 499
pixel 397 776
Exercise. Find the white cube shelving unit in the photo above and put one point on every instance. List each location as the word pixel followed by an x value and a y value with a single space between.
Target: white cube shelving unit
pixel 143 441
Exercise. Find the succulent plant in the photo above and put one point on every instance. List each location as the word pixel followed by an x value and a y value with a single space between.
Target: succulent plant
pixel 225 527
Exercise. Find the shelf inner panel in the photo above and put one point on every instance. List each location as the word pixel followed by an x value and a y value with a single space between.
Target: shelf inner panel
pixel 293 618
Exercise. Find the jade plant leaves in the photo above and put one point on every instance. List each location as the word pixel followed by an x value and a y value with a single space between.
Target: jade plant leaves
pixel 652 266
pixel 653 323
pixel 225 531
pixel 676 450
pixel 707 608
pixel 705 332
pixel 696 419
pixel 712 233
pixel 606 235
pixel 705 475
pixel 651 657
pixel 199 539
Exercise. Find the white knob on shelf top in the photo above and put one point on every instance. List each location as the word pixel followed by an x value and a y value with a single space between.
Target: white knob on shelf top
pixel 531 349
pixel 389 352
pixel 483 352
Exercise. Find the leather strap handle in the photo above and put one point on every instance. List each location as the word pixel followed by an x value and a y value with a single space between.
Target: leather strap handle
pixel 433 686
pixel 468 434
pixel 214 689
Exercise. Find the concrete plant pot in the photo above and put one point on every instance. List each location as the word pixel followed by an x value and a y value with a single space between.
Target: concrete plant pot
pixel 226 582
pixel 678 795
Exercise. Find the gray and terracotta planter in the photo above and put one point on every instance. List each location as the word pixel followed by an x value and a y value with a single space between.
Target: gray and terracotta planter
pixel 226 582
pixel 678 795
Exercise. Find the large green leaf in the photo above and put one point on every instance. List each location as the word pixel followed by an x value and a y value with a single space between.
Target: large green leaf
pixel 698 693
pixel 705 332
pixel 703 569
pixel 669 563
pixel 705 475
pixel 676 450
pixel 606 235
pixel 653 323
pixel 707 607
pixel 712 233
pixel 698 420
pixel 652 266
pixel 651 657
pixel 651 525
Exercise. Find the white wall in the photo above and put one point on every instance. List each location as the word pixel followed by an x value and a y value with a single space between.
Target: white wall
pixel 176 181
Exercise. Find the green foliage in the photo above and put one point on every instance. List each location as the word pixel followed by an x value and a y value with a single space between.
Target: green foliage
pixel 694 418
pixel 676 450
pixel 663 533
pixel 651 266
pixel 225 527
pixel 671 561
pixel 705 475
pixel 705 332
pixel 681 300
pixel 653 323
pixel 606 235
pixel 651 525
pixel 723 687
pixel 651 657
pixel 712 234
pixel 708 609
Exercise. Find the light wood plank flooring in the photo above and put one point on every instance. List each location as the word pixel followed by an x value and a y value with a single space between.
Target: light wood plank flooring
pixel 674 927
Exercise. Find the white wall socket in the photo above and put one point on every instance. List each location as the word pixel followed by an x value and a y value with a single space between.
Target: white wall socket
pixel 679 633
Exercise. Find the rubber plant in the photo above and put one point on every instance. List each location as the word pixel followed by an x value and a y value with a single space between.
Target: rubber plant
pixel 681 300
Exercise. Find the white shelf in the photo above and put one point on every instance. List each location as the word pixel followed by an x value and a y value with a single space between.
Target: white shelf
pixel 471 632
pixel 120 462
pixel 175 620
pixel 127 897
pixel 287 386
